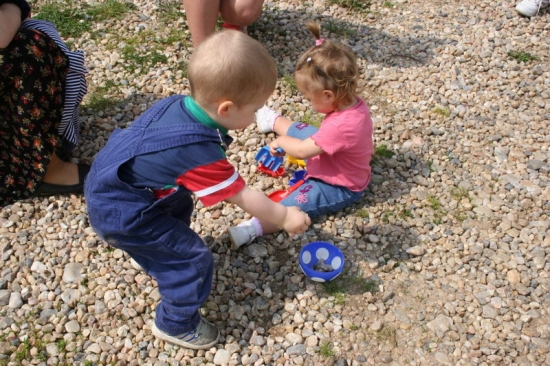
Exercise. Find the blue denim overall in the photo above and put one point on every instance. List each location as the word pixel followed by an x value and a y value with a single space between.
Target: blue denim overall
pixel 155 233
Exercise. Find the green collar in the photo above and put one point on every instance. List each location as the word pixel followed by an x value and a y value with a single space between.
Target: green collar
pixel 201 115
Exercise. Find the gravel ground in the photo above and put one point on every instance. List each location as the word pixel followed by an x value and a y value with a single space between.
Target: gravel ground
pixel 447 254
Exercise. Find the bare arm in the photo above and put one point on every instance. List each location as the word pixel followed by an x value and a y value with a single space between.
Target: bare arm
pixel 290 219
pixel 300 149
pixel 10 21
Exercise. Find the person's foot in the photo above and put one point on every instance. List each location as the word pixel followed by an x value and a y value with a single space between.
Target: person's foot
pixel 530 8
pixel 59 185
pixel 265 119
pixel 242 234
pixel 204 336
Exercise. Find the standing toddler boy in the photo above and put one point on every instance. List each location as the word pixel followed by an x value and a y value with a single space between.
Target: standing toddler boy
pixel 138 191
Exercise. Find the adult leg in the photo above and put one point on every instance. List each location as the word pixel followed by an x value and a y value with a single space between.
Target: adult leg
pixel 202 16
pixel 241 12
pixel 32 97
pixel 61 172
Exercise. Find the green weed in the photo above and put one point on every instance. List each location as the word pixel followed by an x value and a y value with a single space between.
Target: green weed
pixel 406 213
pixel 23 351
pixel 289 80
pixel 382 151
pixel 110 9
pixel 313 119
pixel 460 216
pixel 138 59
pixel 339 28
pixel 442 111
pixel 171 11
pixel 326 350
pixel 350 283
pixel 522 56
pixel 388 4
pixel 362 6
pixel 387 334
pixel 458 193
pixel 98 99
pixel 362 213
pixel 434 203
pixel 69 22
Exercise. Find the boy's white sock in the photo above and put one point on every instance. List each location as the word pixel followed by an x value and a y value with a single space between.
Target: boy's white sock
pixel 245 232
pixel 265 119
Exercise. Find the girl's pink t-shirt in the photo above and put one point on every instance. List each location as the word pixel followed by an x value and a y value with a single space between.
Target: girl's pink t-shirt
pixel 346 139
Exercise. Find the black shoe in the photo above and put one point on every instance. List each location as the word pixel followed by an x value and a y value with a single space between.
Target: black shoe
pixel 49 189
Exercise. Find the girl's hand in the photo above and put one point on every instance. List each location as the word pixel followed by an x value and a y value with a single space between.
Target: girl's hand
pixel 275 149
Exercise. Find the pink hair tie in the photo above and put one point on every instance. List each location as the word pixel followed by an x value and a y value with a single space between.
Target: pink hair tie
pixel 319 41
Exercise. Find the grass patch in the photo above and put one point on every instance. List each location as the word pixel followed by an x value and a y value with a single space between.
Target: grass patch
pixel 313 119
pixel 522 56
pixel 98 100
pixel 339 28
pixel 326 350
pixel 459 193
pixel 387 334
pixel 405 212
pixel 386 216
pixel 347 283
pixel 171 11
pixel 388 4
pixel 362 213
pixel 434 203
pixel 70 22
pixel 183 65
pixel 23 351
pixel 382 151
pixel 442 111
pixel 110 9
pixel 137 59
pixel 362 6
pixel 460 216
pixel 290 82
pixel 73 21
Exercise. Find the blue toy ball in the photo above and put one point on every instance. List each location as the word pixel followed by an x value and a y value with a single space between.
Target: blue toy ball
pixel 319 250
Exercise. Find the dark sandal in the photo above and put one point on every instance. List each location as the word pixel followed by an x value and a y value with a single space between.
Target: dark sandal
pixel 49 189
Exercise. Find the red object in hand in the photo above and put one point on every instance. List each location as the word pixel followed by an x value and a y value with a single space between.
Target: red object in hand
pixel 279 195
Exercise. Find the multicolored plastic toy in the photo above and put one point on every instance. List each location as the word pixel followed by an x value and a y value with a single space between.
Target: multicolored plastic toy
pixel 269 164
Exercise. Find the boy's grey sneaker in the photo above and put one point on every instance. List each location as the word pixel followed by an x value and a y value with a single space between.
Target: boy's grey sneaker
pixel 265 119
pixel 244 233
pixel 530 8
pixel 204 336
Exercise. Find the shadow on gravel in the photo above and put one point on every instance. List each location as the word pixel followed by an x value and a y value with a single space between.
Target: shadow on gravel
pixel 375 46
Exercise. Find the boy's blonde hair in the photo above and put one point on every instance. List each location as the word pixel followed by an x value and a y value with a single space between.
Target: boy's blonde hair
pixel 231 65
pixel 330 66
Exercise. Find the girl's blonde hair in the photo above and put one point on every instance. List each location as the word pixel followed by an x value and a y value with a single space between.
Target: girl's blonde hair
pixel 231 65
pixel 329 65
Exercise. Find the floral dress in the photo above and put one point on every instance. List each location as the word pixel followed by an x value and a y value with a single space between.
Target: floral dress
pixel 33 99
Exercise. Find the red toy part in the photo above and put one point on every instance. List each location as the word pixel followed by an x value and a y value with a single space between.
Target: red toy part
pixel 278 196
pixel 277 173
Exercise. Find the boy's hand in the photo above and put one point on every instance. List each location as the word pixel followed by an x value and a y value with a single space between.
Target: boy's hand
pixel 296 221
